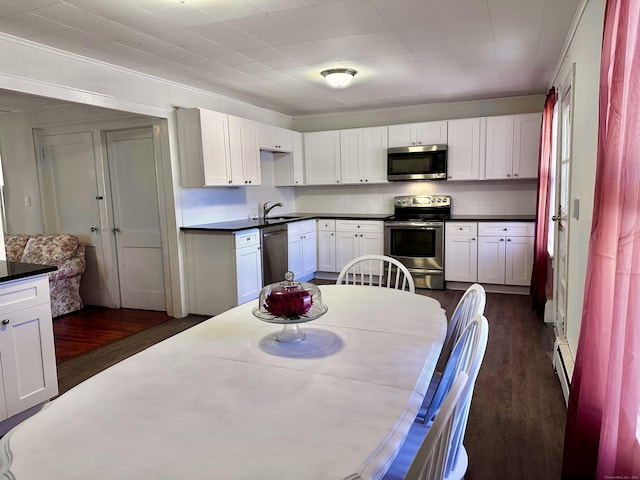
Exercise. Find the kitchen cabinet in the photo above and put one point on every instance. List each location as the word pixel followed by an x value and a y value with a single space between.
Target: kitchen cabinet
pixel 224 269
pixel 512 148
pixel 326 245
pixel 355 238
pixel 425 133
pixel 275 139
pixel 243 151
pixel 288 168
pixel 302 249
pixel 322 157
pixel 461 252
pixel 363 155
pixel 465 148
pixel 27 363
pixel 216 149
pixel 505 252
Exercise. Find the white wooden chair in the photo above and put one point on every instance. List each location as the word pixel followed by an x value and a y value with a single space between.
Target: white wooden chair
pixel 377 271
pixel 424 453
pixel 472 303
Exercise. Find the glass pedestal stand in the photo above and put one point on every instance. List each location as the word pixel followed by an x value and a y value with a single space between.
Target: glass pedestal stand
pixel 291 331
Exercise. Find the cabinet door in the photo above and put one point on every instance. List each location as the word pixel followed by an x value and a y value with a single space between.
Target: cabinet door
pixel 519 260
pixel 491 260
pixel 464 158
pixel 216 156
pixel 28 358
pixel 430 133
pixel 347 247
pixel 526 145
pixel 284 139
pixel 3 403
pixel 308 254
pixel 370 244
pixel 402 135
pixel 461 258
pixel 327 251
pixel 374 160
pixel 244 152
pixel 322 157
pixel 297 158
pixel 499 153
pixel 248 273
pixel 351 155
pixel 294 253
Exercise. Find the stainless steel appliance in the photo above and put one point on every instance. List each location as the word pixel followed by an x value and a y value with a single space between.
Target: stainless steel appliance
pixel 275 253
pixel 414 235
pixel 420 162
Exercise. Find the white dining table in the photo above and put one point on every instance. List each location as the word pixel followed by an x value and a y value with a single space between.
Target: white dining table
pixel 225 400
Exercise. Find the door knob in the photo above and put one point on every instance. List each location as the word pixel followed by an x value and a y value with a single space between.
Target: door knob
pixel 116 230
pixel 6 321
pixel 555 218
pixel 94 229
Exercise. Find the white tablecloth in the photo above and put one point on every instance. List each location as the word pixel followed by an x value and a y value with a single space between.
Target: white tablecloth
pixel 222 400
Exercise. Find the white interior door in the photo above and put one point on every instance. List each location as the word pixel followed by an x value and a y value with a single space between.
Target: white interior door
pixel 70 204
pixel 136 218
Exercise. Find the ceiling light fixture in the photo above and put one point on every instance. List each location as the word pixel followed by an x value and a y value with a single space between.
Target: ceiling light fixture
pixel 339 77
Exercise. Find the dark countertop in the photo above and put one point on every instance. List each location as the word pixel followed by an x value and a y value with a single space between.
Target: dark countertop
pixel 493 218
pixel 16 270
pixel 237 225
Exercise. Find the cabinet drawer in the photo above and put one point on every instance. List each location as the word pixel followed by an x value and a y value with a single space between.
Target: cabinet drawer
pixel 461 228
pixel 355 226
pixel 326 225
pixel 24 293
pixel 515 229
pixel 247 238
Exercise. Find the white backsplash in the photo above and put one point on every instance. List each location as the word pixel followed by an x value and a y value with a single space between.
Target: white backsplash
pixel 221 204
pixel 467 198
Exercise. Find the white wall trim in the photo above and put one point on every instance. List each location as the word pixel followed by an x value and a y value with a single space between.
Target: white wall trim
pixel 567 41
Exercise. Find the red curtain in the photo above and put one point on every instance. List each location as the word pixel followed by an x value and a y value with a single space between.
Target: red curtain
pixel 541 256
pixel 603 418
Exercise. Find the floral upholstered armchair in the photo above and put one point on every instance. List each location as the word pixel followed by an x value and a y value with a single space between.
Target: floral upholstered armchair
pixel 62 250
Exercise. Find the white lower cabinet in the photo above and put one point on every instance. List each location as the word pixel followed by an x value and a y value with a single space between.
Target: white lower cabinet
pixel 224 269
pixel 505 252
pixel 302 249
pixel 355 238
pixel 27 359
pixel 461 252
pixel 326 245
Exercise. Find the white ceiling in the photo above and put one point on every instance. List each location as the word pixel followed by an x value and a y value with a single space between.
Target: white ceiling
pixel 270 52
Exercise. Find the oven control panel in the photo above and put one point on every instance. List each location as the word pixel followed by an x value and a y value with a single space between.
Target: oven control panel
pixel 422 201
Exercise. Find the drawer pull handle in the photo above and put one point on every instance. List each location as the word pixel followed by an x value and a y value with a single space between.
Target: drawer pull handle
pixel 6 321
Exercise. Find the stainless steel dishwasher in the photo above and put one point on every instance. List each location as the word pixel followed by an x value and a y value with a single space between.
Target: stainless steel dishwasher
pixel 275 253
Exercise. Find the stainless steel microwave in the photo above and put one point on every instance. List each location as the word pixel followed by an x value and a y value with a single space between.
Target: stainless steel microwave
pixel 420 162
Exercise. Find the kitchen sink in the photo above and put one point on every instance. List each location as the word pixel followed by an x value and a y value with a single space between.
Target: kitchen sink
pixel 279 219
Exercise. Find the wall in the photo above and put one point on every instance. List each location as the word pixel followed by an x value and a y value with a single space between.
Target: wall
pixel 584 51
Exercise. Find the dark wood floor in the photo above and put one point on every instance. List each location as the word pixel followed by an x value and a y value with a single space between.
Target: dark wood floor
pixel 516 423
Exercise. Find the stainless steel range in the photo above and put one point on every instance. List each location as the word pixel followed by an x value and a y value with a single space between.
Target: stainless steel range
pixel 414 235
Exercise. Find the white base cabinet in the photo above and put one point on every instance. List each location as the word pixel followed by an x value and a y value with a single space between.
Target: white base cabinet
pixel 461 252
pixel 326 245
pixel 27 359
pixel 505 252
pixel 355 238
pixel 302 249
pixel 224 269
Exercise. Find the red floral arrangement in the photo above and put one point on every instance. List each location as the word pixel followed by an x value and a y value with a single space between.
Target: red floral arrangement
pixel 289 305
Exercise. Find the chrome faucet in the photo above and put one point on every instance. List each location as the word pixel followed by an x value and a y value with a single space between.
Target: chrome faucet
pixel 266 210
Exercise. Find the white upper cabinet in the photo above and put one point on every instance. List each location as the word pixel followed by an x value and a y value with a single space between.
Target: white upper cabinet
pixel 203 144
pixel 513 146
pixel 245 156
pixel 288 168
pixel 216 149
pixel 526 144
pixel 322 157
pixel 465 144
pixel 275 139
pixel 425 133
pixel 363 155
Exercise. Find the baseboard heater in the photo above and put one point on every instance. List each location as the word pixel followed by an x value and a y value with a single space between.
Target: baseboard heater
pixel 563 363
